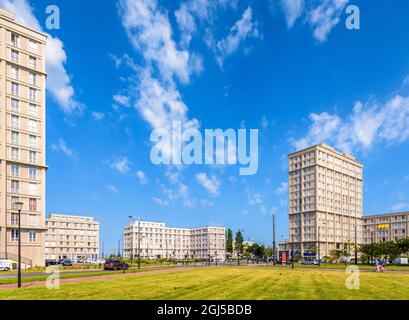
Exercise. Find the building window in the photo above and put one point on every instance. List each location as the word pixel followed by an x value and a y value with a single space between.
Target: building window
pixel 15 153
pixel 15 170
pixel 15 73
pixel 15 186
pixel 32 94
pixel 32 63
pixel 32 46
pixel 15 105
pixel 14 200
pixel 14 235
pixel 32 140
pixel 32 189
pixel 15 121
pixel 33 157
pixel 32 78
pixel 15 89
pixel 32 125
pixel 15 56
pixel 32 109
pixel 32 236
pixel 33 204
pixel 14 219
pixel 15 40
pixel 15 137
pixel 32 172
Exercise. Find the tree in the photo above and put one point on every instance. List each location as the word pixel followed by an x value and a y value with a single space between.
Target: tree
pixel 403 245
pixel 238 245
pixel 229 242
pixel 391 249
pixel 371 250
pixel 335 255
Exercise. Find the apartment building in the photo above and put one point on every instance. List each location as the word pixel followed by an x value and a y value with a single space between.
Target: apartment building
pixel 385 227
pixel 156 240
pixel 72 237
pixel 22 140
pixel 325 200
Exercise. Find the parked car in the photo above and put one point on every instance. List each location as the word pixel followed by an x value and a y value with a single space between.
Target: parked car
pixel 66 263
pixel 310 262
pixel 113 264
pixel 6 265
pixel 51 262
pixel 401 261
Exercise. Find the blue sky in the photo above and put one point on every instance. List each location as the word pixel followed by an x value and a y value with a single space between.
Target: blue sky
pixel 288 68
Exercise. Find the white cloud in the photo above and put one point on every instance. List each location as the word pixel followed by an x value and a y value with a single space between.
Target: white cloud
pixel 99 116
pixel 212 185
pixel 156 94
pixel 117 60
pixel 142 177
pixel 161 202
pixel 243 29
pixel 150 32
pixel 61 146
pixel 367 124
pixel 121 164
pixel 58 81
pixel 406 81
pixel 112 189
pixel 179 192
pixel 282 189
pixel 264 122
pixel 400 206
pixel 292 9
pixel 325 17
pixel 256 199
pixel 123 100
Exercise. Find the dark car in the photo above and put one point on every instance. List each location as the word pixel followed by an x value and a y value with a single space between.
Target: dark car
pixel 51 262
pixel 113 264
pixel 66 263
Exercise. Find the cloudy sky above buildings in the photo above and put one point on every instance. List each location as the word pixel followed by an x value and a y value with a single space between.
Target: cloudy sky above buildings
pixel 290 68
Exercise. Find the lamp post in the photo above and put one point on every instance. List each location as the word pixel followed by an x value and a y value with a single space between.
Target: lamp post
pixel 19 206
pixel 319 244
pixel 292 251
pixel 356 244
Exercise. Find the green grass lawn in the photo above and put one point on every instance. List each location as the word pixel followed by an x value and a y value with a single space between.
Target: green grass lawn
pixel 228 283
pixel 84 274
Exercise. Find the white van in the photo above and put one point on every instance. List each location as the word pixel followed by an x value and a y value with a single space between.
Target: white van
pixel 401 261
pixel 6 265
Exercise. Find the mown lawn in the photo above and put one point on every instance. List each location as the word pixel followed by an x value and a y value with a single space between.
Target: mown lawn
pixel 228 283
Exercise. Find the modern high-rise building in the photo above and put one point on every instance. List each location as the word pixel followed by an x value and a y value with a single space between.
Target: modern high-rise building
pixel 22 140
pixel 72 237
pixel 325 201
pixel 156 240
pixel 385 227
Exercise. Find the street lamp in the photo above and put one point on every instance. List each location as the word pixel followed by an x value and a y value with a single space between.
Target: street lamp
pixel 19 206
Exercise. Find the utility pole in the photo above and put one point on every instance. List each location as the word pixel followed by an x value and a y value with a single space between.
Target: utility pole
pixel 292 251
pixel 103 253
pixel 274 239
pixel 119 248
pixel 139 243
pixel 356 245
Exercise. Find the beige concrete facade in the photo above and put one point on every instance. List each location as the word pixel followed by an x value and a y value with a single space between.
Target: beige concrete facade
pixel 158 240
pixel 325 200
pixel 386 227
pixel 72 237
pixel 22 139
